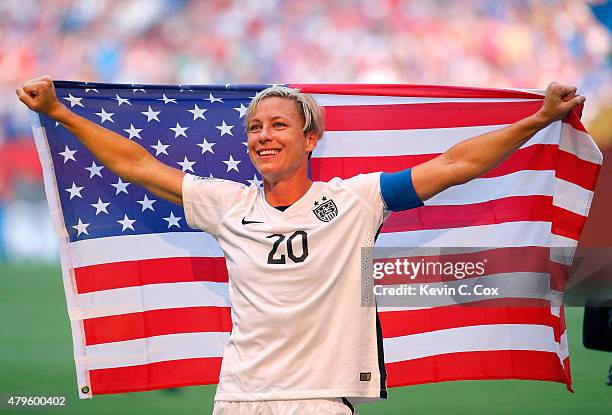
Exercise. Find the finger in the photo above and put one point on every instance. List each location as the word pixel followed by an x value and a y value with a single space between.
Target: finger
pixel 35 88
pixel 23 96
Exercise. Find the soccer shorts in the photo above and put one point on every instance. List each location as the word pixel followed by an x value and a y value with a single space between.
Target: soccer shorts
pixel 336 406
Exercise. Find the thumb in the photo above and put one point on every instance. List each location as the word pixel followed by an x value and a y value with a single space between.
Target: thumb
pixel 23 97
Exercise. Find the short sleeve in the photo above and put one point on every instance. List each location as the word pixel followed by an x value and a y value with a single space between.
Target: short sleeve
pixel 367 187
pixel 206 201
pixel 398 191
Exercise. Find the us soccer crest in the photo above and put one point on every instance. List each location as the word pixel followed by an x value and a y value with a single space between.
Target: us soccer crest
pixel 325 210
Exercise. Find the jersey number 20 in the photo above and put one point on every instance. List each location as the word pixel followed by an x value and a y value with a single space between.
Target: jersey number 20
pixel 280 258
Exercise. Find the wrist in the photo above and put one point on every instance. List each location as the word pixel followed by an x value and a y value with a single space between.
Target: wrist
pixel 58 111
pixel 540 120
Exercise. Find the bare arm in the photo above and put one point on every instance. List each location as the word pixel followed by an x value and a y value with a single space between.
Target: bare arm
pixel 475 156
pixel 125 158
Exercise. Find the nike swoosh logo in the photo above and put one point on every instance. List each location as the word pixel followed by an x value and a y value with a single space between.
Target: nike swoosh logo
pixel 246 222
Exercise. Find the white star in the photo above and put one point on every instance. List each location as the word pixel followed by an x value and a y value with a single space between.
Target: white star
pixel 138 89
pixel 74 101
pixel 225 129
pixel 212 99
pixel 173 220
pixel 105 116
pixel 91 89
pixel 242 110
pixel 186 164
pixel 81 228
pixel 151 115
pixel 147 203
pixel 198 112
pixel 100 206
pixel 126 223
pixel 206 146
pixel 56 123
pixel 94 170
pixel 120 186
pixel 133 131
pixel 232 164
pixel 166 100
pixel 121 100
pixel 160 148
pixel 184 89
pixel 75 191
pixel 178 130
pixel 255 181
pixel 68 154
pixel 246 144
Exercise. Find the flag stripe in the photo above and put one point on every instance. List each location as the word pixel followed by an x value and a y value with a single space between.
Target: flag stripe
pixel 327 100
pixel 508 234
pixel 136 247
pixel 403 323
pixel 431 91
pixel 483 365
pixel 156 323
pixel 535 157
pixel 122 274
pixel 438 115
pixel 151 297
pixel 154 349
pixel 511 209
pixel 169 374
pixel 470 338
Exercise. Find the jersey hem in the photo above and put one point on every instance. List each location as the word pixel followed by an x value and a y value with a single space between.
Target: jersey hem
pixel 356 394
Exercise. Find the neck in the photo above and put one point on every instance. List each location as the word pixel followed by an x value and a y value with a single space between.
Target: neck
pixel 286 192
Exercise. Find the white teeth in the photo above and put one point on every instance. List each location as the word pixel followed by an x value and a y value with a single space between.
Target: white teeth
pixel 268 152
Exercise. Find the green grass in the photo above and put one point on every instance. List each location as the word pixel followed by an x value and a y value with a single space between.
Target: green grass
pixel 36 360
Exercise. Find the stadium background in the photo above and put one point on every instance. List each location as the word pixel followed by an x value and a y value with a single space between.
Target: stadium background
pixel 514 44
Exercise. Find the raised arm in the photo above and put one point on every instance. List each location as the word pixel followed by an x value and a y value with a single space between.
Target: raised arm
pixel 475 156
pixel 125 158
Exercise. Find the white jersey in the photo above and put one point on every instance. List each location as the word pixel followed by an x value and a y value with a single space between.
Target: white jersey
pixel 299 328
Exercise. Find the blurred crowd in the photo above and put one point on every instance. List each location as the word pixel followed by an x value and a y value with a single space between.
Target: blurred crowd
pixel 512 44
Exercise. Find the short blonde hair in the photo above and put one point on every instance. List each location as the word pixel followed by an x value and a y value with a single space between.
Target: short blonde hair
pixel 314 118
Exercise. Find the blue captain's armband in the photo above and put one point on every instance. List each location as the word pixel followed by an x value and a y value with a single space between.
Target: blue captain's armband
pixel 398 192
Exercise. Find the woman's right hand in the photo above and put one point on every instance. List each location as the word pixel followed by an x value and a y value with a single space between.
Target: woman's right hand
pixel 39 95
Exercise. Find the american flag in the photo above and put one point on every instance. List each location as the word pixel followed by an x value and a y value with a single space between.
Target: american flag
pixel 147 296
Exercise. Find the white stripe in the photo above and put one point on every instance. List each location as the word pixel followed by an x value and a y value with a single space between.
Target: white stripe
pixel 151 297
pixel 498 235
pixel 572 197
pixel 135 247
pixel 510 285
pixel 330 100
pixel 469 339
pixel 57 218
pixel 563 347
pixel 521 183
pixel 408 142
pixel 154 349
pixel 580 144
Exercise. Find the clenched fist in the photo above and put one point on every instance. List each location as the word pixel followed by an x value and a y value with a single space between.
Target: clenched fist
pixel 558 101
pixel 39 95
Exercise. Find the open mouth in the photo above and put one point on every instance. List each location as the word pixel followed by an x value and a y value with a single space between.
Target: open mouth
pixel 269 153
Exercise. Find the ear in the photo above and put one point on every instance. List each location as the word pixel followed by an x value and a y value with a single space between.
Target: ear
pixel 312 139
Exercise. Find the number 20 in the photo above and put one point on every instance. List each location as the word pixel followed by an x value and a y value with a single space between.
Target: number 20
pixel 280 259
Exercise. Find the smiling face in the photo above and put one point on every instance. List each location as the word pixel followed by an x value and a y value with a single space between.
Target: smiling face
pixel 277 144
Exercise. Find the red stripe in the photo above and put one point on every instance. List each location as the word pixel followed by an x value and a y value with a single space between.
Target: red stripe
pixel 156 323
pixel 482 365
pixel 418 116
pixel 149 271
pixel 434 115
pixel 508 209
pixel 575 170
pixel 517 311
pixel 535 157
pixel 169 374
pixel 402 90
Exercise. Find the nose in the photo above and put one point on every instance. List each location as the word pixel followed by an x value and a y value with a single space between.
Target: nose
pixel 264 135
